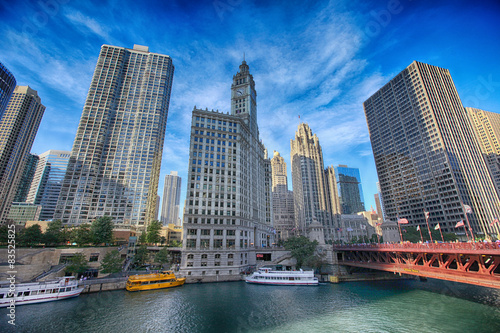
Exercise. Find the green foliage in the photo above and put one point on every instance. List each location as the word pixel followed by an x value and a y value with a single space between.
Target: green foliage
pixel 53 235
pixel 81 235
pixel 102 230
pixel 153 232
pixel 163 240
pixel 301 249
pixel 142 238
pixel 175 243
pixel 4 234
pixel 412 235
pixel 77 264
pixel 141 256
pixel 30 236
pixel 112 262
pixel 163 256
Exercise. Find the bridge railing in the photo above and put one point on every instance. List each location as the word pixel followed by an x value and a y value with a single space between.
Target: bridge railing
pixel 421 246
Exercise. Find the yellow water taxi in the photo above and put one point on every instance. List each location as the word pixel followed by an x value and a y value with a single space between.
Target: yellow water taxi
pixel 165 279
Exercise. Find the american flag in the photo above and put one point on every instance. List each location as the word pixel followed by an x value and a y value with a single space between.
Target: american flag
pixel 402 221
pixel 495 220
pixel 459 224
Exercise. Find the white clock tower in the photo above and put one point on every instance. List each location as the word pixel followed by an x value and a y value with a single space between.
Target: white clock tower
pixel 244 97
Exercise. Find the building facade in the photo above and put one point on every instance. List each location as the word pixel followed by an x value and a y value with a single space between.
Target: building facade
pixel 225 210
pixel 349 189
pixel 310 190
pixel 7 86
pixel 22 212
pixel 171 199
pixel 26 178
pixel 46 184
pixel 115 161
pixel 18 128
pixel 282 199
pixel 426 154
pixel 487 129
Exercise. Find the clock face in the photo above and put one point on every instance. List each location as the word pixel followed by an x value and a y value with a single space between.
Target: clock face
pixel 239 92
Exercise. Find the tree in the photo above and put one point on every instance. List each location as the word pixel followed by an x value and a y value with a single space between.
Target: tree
pixel 163 240
pixel 81 235
pixel 301 248
pixel 31 235
pixel 163 256
pixel 141 256
pixel 112 262
pixel 4 234
pixel 142 238
pixel 53 235
pixel 153 232
pixel 102 230
pixel 175 243
pixel 77 264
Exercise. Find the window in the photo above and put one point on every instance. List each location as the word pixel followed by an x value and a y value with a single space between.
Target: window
pixel 190 256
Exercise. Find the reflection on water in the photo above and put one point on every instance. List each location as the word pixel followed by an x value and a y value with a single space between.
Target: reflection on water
pixel 389 306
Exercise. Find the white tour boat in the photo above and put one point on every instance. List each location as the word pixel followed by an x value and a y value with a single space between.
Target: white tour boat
pixel 38 292
pixel 266 275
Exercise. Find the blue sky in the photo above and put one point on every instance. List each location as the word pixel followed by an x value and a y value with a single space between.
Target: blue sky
pixel 317 59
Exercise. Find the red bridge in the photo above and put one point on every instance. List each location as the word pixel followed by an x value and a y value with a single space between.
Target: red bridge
pixel 473 263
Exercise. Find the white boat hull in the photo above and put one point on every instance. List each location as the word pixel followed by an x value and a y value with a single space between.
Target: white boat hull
pixel 38 292
pixel 5 302
pixel 283 278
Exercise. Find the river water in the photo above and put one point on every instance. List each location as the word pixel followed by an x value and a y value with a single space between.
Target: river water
pixel 382 306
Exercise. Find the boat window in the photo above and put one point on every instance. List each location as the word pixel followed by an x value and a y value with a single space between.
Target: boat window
pixel 48 291
pixel 55 290
pixel 1 295
pixel 19 294
pixel 27 293
pixel 41 291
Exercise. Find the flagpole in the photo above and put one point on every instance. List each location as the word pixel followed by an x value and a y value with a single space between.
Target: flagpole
pixel 466 233
pixel 400 234
pixel 468 224
pixel 441 232
pixel 420 230
pixel 427 221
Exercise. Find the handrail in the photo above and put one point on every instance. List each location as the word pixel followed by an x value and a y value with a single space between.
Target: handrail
pixel 422 246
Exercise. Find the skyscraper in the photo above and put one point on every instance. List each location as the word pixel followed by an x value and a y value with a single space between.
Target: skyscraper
pixel 487 129
pixel 310 191
pixel 426 155
pixel 171 199
pixel 115 161
pixel 7 85
pixel 46 184
pixel 282 199
pixel 26 178
pixel 225 209
pixel 349 189
pixel 18 128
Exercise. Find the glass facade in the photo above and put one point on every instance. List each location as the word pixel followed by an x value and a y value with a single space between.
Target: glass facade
pixel 47 181
pixel 349 189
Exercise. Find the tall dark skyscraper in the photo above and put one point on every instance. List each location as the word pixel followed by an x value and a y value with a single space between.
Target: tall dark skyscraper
pixel 18 128
pixel 426 154
pixel 7 86
pixel 115 162
pixel 26 178
pixel 349 189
